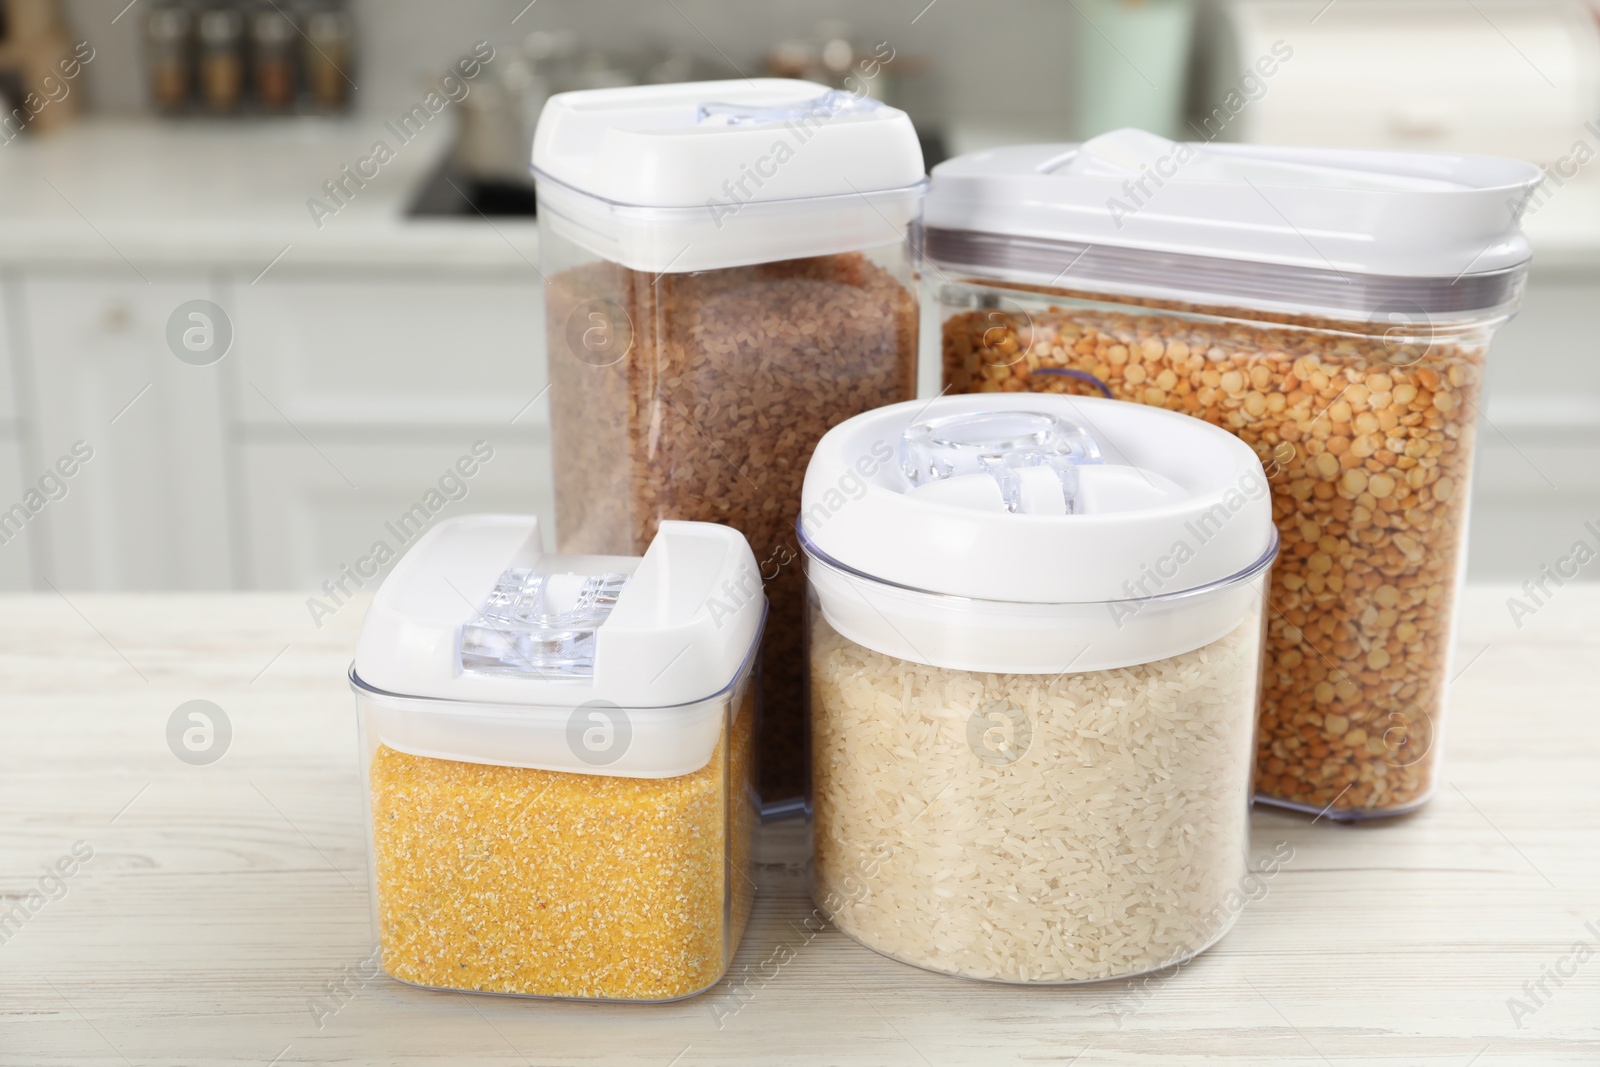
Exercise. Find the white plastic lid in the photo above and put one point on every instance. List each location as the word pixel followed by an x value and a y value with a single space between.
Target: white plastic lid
pixel 480 647
pixel 669 628
pixel 1033 533
pixel 1355 229
pixel 705 175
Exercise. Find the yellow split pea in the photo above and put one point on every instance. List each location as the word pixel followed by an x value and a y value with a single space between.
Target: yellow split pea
pixel 513 880
pixel 1369 433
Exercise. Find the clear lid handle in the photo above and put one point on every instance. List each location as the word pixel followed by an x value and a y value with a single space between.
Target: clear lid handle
pixel 997 445
pixel 540 623
pixel 833 102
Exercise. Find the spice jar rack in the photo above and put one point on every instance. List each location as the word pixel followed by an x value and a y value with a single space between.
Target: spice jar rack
pixel 243 58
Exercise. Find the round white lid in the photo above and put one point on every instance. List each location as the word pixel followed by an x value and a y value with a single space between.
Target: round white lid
pixel 1027 533
pixel 1336 217
pixel 707 175
pixel 1036 498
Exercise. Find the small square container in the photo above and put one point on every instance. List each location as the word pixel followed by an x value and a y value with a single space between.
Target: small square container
pixel 558 760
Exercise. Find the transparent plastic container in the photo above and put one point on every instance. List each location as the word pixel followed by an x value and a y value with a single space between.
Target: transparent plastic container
pixel 1048 784
pixel 727 276
pixel 554 820
pixel 1333 310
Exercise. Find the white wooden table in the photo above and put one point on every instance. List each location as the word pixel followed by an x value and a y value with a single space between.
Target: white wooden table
pixel 222 903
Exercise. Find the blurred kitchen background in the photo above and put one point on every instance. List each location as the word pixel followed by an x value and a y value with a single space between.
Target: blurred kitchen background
pixel 158 154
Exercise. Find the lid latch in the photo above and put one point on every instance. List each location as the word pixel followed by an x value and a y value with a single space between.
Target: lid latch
pixel 998 444
pixel 539 623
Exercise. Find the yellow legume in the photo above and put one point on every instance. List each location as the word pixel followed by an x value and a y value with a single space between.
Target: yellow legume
pixel 1368 446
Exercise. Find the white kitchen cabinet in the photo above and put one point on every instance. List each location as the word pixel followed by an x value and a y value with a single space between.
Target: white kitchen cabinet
pixel 1531 502
pixel 223 476
pixel 15 545
pixel 15 537
pixel 1542 371
pixel 341 401
pixel 354 393
pixel 9 415
pixel 1537 483
pixel 307 513
pixel 388 348
pixel 149 509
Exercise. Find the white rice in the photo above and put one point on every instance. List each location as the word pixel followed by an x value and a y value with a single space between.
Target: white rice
pixel 1104 850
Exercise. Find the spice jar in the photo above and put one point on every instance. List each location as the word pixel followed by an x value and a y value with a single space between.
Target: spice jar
pixel 728 274
pixel 221 58
pixel 557 753
pixel 272 38
pixel 169 57
pixel 1035 647
pixel 329 37
pixel 1332 309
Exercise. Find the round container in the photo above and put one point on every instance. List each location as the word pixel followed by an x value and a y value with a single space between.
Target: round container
pixel 1035 649
pixel 1332 309
pixel 729 273
pixel 558 760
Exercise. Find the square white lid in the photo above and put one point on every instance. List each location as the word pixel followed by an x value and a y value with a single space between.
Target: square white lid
pixel 760 139
pixel 680 623
pixel 671 179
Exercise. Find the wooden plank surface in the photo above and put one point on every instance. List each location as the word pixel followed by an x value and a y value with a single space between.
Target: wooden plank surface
pixel 222 902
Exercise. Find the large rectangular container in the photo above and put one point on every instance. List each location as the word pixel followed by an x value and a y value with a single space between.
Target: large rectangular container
pixel 1332 309
pixel 729 273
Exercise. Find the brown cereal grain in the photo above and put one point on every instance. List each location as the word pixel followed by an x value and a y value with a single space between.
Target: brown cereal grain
pixel 1376 438
pixel 732 378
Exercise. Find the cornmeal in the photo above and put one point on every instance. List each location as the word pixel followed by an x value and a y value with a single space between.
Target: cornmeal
pixel 510 880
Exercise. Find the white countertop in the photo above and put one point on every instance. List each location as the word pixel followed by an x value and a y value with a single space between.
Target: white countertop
pixel 160 194
pixel 223 916
pixel 180 194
